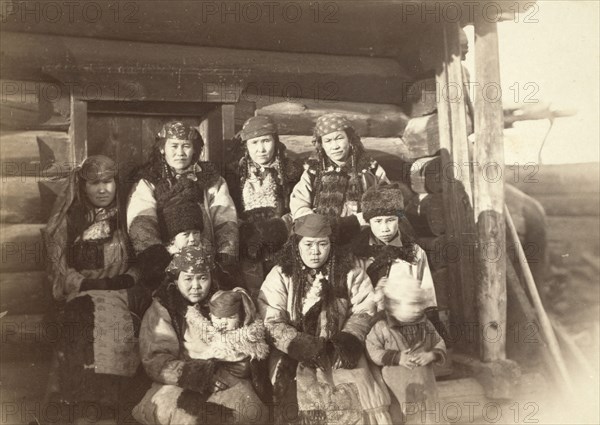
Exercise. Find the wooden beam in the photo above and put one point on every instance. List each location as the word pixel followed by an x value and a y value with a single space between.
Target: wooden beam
pixel 489 191
pixel 456 181
pixel 132 71
pixel 78 130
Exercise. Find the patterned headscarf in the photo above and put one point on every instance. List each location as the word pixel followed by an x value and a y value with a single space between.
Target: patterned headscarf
pixel 257 126
pixel 178 130
pixel 192 259
pixel 329 123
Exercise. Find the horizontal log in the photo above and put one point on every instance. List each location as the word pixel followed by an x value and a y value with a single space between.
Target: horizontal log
pixel 299 117
pixel 21 248
pixel 20 153
pixel 33 105
pixel 20 200
pixel 25 293
pixel 132 71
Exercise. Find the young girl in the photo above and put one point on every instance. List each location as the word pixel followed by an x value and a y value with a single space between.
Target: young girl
pixel 406 344
pixel 188 387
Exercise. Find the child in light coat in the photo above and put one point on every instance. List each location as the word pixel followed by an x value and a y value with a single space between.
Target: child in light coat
pixel 406 344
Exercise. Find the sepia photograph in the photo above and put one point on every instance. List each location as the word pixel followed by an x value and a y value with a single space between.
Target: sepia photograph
pixel 299 212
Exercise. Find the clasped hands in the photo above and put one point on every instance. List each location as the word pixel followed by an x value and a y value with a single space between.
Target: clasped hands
pixel 410 360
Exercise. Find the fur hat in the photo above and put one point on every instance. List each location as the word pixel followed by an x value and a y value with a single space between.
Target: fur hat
pixel 225 303
pixel 382 199
pixel 178 208
pixel 257 126
pixel 181 217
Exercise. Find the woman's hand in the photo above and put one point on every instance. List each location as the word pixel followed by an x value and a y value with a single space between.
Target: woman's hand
pixel 240 369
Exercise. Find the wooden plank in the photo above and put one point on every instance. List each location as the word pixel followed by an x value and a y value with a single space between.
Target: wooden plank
pixel 299 117
pixel 489 190
pixel 456 181
pixel 25 293
pixel 20 200
pixel 21 248
pixel 20 153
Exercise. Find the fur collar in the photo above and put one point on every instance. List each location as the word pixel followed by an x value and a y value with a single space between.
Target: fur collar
pixel 248 340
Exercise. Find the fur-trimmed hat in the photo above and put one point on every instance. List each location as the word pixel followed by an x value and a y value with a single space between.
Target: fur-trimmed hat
pixel 382 199
pixel 260 125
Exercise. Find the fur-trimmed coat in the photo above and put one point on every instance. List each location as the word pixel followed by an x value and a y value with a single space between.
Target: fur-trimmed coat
pixel 394 261
pixel 354 298
pixel 302 200
pixel 183 383
pixel 218 209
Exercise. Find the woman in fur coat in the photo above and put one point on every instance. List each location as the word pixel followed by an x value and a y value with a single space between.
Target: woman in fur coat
pixel 89 260
pixel 317 303
pixel 183 353
pixel 261 183
pixel 174 170
pixel 334 182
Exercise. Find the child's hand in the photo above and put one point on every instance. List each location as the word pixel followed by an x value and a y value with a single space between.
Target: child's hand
pixel 406 359
pixel 423 359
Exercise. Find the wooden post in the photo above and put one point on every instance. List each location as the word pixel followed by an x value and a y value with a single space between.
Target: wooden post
pixel 78 130
pixel 211 129
pixel 216 127
pixel 459 247
pixel 489 192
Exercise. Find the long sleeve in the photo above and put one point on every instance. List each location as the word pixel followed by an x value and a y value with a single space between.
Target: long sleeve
pixel 223 216
pixel 301 197
pixel 437 344
pixel 160 352
pixel 375 344
pixel 362 303
pixel 142 221
pixel 272 305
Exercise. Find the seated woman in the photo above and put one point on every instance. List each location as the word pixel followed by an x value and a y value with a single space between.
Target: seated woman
pixel 391 256
pixel 260 184
pixel 89 267
pixel 190 385
pixel 174 170
pixel 334 182
pixel 317 304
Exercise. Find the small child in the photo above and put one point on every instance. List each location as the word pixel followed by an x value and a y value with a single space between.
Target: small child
pixel 406 344
pixel 232 334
